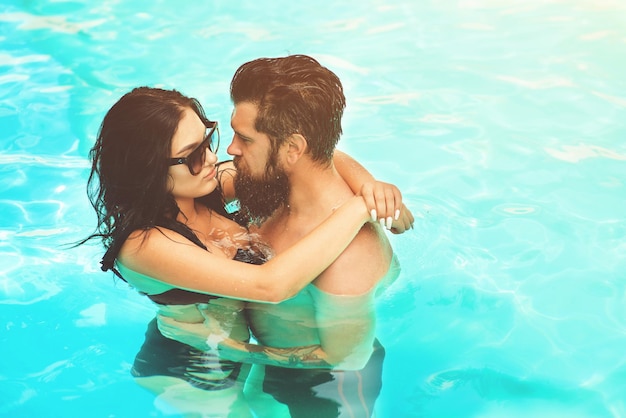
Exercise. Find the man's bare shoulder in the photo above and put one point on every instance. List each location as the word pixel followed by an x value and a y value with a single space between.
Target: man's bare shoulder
pixel 274 232
pixel 361 266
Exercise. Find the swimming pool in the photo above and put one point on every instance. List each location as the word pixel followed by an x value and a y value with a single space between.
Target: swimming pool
pixel 501 121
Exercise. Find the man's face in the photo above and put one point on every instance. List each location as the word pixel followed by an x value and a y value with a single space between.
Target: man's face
pixel 261 184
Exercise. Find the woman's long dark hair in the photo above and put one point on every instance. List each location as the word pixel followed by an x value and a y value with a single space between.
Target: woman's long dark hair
pixel 128 183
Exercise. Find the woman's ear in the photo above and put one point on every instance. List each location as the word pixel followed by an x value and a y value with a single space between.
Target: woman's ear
pixel 296 148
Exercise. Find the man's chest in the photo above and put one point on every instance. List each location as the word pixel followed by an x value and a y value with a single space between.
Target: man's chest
pixel 282 233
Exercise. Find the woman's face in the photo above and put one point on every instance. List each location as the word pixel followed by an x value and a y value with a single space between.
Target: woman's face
pixel 190 135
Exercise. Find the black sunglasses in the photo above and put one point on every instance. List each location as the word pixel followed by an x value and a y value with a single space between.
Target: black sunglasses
pixel 195 160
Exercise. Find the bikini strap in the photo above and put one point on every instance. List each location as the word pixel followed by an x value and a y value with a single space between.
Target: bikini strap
pixel 108 260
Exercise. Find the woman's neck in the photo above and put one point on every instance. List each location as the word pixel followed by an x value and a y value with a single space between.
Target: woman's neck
pixel 188 211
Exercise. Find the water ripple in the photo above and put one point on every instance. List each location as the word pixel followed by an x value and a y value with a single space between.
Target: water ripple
pixel 576 153
pixel 55 161
pixel 59 24
pixel 12 61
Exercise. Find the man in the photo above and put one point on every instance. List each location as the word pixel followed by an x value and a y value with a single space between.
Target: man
pixel 287 122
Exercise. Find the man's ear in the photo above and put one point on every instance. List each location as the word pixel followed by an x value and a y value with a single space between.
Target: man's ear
pixel 296 148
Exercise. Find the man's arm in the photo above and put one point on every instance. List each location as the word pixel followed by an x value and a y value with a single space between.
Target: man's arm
pixel 344 299
pixel 208 335
pixel 302 357
pixel 346 325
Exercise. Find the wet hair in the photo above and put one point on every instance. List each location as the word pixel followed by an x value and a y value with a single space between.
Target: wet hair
pixel 128 183
pixel 294 94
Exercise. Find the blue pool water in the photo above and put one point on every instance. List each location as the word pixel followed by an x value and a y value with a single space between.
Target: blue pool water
pixel 503 123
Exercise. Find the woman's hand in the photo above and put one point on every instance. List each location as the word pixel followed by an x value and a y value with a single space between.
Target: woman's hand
pixel 404 222
pixel 384 202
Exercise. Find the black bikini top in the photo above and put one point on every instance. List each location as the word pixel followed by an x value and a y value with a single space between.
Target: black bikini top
pixel 176 296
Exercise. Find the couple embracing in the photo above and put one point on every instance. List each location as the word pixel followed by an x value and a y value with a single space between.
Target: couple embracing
pixel 268 311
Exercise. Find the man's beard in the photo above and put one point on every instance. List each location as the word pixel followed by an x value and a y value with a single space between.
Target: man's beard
pixel 260 197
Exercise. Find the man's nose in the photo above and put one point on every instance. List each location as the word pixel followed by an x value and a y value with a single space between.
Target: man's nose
pixel 233 149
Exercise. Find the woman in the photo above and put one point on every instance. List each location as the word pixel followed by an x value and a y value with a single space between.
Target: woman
pixel 154 185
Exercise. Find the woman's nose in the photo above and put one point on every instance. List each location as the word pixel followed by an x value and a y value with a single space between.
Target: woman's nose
pixel 211 158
